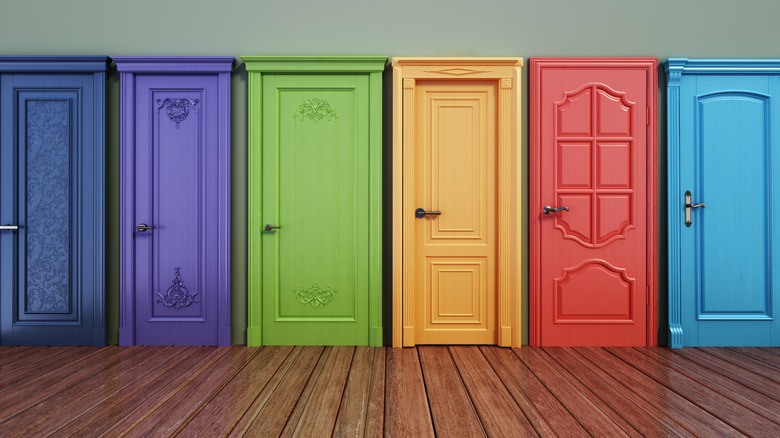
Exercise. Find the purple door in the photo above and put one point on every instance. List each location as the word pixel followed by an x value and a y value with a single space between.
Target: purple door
pixel 176 208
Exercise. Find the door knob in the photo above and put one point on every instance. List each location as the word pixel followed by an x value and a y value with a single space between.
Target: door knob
pixel 269 227
pixel 688 206
pixel 9 227
pixel 143 227
pixel 549 210
pixel 420 213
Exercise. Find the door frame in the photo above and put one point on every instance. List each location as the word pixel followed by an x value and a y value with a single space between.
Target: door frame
pixel 257 67
pixel 506 73
pixel 128 67
pixel 675 68
pixel 535 204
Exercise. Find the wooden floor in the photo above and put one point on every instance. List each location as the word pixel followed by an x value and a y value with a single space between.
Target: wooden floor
pixel 412 392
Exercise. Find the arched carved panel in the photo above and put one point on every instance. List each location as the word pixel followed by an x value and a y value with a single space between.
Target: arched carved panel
pixel 574 114
pixel 594 291
pixel 614 113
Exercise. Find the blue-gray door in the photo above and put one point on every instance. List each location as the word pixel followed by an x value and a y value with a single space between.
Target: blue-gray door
pixel 51 210
pixel 723 226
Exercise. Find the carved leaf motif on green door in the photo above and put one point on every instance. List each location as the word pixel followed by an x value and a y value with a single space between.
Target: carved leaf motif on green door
pixel 315 296
pixel 315 109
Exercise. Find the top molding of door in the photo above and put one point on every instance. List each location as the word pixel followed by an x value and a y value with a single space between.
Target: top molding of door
pixel 722 66
pixel 466 68
pixel 70 64
pixel 174 64
pixel 319 64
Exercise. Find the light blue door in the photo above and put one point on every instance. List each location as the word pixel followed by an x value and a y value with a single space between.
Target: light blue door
pixel 724 235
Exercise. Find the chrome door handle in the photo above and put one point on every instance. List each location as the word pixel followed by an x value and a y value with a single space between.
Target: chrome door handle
pixel 688 206
pixel 9 227
pixel 549 210
pixel 143 227
pixel 269 227
pixel 420 213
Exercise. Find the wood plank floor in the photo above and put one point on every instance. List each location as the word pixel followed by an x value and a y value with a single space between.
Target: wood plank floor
pixel 458 391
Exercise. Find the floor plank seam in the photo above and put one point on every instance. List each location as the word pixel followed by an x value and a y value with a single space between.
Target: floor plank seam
pixel 140 388
pixel 694 401
pixel 171 395
pixel 716 387
pixel 493 368
pixel 214 393
pixel 553 393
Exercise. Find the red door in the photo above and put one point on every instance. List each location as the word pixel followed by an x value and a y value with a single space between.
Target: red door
pixel 593 202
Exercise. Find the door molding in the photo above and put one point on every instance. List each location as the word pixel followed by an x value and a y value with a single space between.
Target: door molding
pixel 128 67
pixel 534 220
pixel 257 68
pixel 506 73
pixel 675 68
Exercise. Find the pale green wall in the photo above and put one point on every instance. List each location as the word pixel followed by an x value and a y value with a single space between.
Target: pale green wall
pixel 661 28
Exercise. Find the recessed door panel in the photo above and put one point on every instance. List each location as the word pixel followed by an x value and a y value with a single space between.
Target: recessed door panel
pixel 52 290
pixel 590 214
pixel 315 188
pixel 455 173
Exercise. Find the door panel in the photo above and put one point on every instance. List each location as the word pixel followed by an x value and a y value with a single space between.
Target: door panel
pixel 455 173
pixel 726 141
pixel 176 265
pixel 591 149
pixel 49 291
pixel 316 188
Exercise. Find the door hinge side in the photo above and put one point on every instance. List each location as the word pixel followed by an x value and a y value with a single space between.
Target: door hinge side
pixel 647 296
pixel 647 122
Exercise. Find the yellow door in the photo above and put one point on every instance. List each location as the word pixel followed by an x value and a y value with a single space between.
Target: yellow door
pixel 454 266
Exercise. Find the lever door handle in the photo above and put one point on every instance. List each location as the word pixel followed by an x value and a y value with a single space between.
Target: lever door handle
pixel 269 227
pixel 9 227
pixel 688 206
pixel 549 210
pixel 143 227
pixel 420 213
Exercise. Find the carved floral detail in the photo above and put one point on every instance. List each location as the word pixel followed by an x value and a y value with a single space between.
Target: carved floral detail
pixel 177 108
pixel 177 295
pixel 48 201
pixel 315 296
pixel 315 109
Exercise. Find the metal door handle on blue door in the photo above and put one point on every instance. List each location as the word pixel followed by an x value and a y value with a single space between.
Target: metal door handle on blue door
pixel 143 227
pixel 688 206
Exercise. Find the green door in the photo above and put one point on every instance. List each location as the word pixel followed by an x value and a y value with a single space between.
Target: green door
pixel 312 283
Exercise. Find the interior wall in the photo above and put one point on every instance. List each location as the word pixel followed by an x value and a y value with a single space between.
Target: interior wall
pixel 526 28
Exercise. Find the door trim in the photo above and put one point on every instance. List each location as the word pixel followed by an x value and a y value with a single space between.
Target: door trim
pixel 128 67
pixel 675 68
pixel 506 72
pixel 257 67
pixel 535 204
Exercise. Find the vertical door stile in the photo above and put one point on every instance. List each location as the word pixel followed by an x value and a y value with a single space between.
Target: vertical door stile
pixel 408 220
